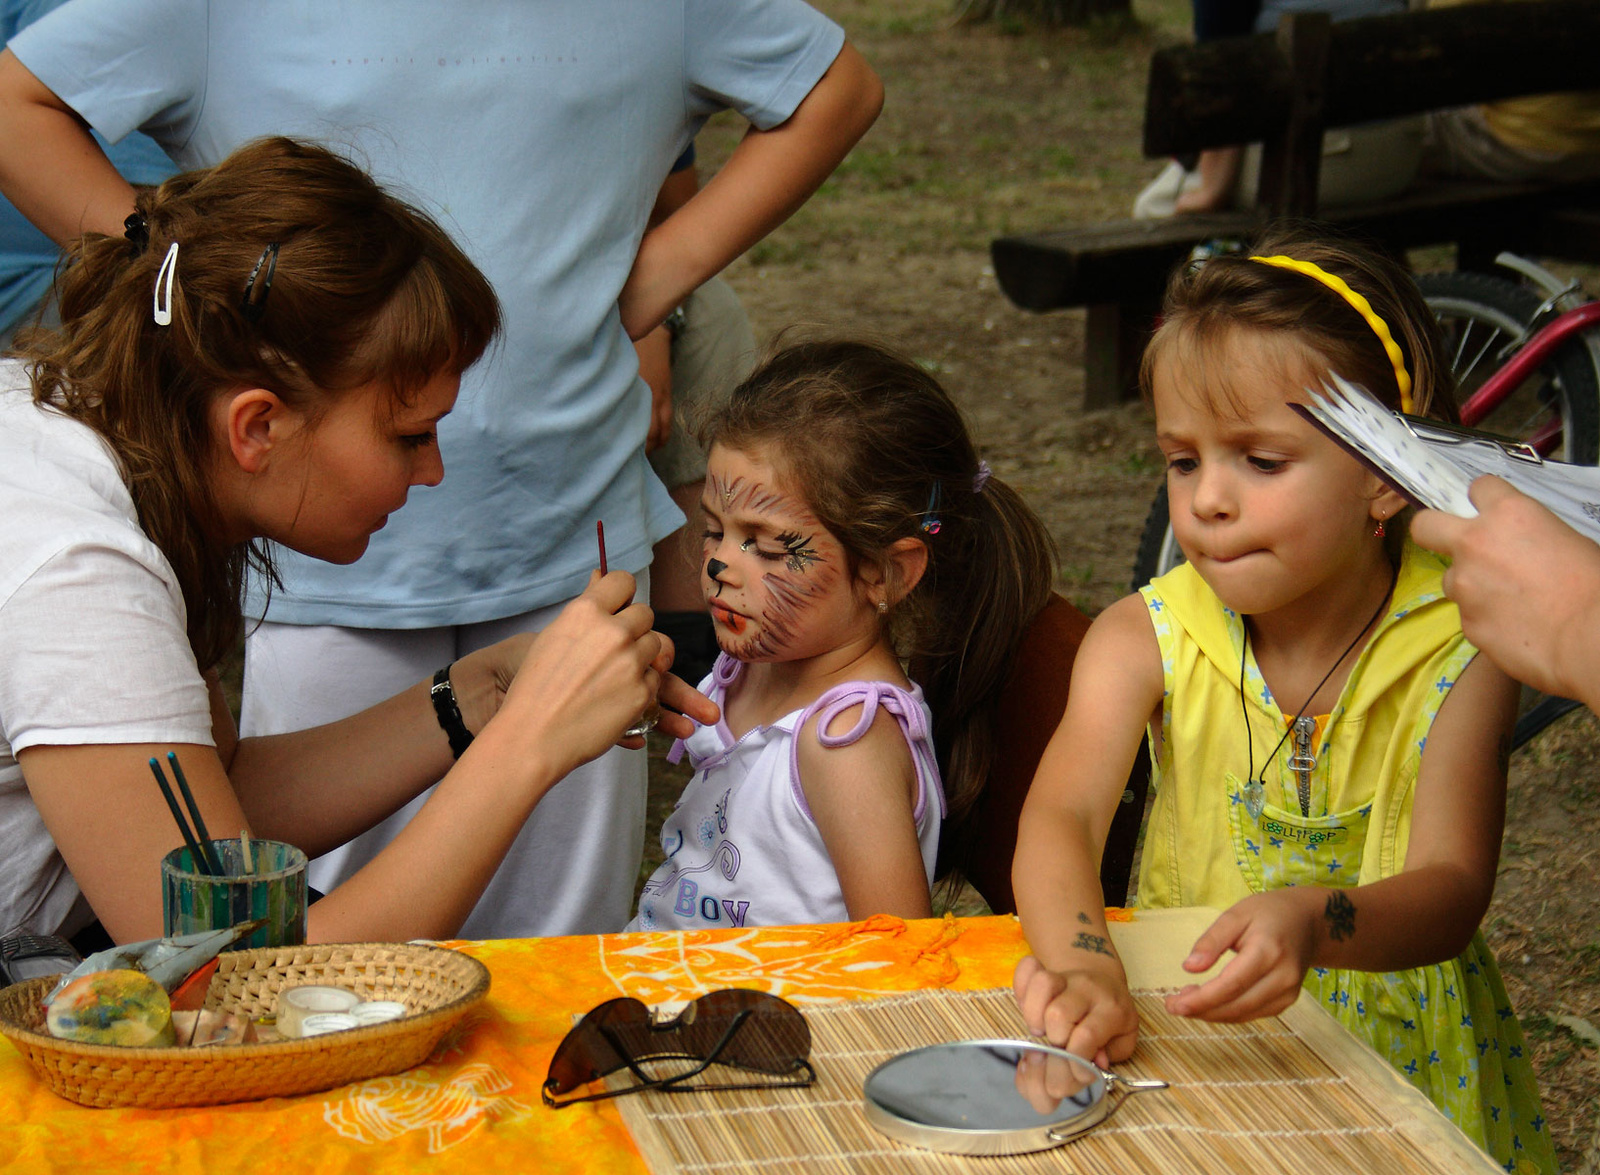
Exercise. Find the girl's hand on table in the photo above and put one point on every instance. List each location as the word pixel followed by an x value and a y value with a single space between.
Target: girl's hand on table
pixel 1274 936
pixel 1087 1012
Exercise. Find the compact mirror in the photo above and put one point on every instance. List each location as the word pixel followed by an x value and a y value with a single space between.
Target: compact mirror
pixel 990 1097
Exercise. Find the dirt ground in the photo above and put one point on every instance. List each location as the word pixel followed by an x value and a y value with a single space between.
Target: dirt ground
pixel 988 131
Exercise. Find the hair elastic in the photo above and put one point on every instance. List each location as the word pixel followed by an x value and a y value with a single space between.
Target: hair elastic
pixel 981 478
pixel 161 307
pixel 137 229
pixel 253 305
pixel 1362 307
pixel 930 516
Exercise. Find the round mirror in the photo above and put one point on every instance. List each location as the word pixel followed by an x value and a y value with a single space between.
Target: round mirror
pixel 986 1097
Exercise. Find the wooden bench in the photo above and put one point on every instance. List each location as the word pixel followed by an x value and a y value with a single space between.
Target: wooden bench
pixel 1283 90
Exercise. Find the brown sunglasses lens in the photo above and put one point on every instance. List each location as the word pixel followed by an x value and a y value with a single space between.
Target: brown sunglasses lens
pixel 746 1029
pixel 587 1054
pixel 773 1037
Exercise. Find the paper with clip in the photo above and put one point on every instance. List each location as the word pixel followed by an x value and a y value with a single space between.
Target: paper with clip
pixel 1433 463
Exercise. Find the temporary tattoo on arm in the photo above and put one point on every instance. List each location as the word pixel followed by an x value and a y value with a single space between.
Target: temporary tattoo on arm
pixel 1092 942
pixel 1082 917
pixel 1341 915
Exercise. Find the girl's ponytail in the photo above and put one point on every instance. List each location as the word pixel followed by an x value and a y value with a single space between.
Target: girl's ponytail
pixel 982 600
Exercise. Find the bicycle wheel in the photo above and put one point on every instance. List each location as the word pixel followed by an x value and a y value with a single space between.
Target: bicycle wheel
pixel 1485 319
pixel 1159 552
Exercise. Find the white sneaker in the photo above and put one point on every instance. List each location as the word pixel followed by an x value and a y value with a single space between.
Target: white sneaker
pixel 1160 196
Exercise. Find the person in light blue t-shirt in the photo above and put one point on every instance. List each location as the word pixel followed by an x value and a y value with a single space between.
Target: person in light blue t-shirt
pixel 539 136
pixel 27 257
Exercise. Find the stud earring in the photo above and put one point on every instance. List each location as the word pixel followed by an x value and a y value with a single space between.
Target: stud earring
pixel 883 606
pixel 1379 530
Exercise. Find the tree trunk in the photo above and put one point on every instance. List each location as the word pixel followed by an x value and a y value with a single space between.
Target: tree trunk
pixel 1048 12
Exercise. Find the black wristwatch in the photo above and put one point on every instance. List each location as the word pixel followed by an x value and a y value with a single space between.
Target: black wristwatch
pixel 449 712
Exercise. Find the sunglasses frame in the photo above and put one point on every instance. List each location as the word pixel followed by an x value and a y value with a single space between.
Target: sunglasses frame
pixel 594 1020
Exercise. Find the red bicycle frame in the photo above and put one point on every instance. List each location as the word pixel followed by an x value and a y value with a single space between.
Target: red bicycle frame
pixel 1545 342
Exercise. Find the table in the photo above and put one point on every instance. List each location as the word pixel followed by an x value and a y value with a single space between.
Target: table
pixel 474 1107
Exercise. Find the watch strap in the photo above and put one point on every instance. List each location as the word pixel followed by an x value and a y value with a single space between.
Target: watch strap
pixel 448 711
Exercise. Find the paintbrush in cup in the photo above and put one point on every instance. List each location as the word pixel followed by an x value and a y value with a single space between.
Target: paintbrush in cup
pixel 201 863
pixel 194 812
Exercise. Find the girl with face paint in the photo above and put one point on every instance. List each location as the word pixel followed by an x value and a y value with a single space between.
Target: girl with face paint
pixel 868 580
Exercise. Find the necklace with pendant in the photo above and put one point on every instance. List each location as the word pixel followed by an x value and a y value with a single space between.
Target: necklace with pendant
pixel 1255 789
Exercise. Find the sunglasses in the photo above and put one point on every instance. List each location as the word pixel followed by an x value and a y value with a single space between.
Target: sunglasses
pixel 742 1029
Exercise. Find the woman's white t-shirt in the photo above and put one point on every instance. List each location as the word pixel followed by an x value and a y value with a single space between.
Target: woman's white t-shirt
pixel 93 647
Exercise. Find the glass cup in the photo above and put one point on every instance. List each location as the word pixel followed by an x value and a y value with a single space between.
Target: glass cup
pixel 271 885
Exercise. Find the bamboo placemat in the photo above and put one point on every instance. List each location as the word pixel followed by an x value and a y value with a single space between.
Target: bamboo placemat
pixel 1293 1094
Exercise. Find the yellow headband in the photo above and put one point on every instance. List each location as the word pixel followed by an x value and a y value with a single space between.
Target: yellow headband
pixel 1361 307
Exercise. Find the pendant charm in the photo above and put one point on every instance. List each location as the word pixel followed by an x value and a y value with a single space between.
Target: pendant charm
pixel 1255 798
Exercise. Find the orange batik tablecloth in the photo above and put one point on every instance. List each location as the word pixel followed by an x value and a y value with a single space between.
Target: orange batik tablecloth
pixel 475 1105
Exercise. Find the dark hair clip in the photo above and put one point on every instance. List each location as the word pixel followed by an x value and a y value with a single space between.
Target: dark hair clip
pixel 930 516
pixel 253 305
pixel 137 229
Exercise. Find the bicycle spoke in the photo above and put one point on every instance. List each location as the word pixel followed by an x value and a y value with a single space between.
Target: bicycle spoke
pixel 1462 373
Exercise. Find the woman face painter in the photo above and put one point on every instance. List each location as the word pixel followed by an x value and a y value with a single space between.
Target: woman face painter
pixel 265 354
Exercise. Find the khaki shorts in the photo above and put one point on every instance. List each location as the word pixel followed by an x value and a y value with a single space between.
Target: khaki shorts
pixel 1359 163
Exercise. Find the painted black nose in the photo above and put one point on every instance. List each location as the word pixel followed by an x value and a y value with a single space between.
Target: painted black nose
pixel 715 567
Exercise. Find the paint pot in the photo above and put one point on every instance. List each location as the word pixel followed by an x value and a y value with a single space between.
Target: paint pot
pixel 321 1023
pixel 297 1004
pixel 378 1012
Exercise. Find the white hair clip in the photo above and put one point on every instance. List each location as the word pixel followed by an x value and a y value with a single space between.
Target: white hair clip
pixel 162 306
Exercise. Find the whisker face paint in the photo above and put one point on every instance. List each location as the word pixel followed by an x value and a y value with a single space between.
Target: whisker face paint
pixel 772 569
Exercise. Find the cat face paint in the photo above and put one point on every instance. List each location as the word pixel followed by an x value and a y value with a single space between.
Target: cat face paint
pixel 774 578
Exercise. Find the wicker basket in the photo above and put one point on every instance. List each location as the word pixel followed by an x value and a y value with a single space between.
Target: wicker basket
pixel 437 986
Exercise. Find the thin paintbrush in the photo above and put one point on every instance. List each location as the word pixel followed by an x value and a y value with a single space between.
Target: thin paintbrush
pixel 199 858
pixel 194 811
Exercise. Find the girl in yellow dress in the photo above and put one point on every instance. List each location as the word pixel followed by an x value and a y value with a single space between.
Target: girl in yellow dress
pixel 1330 752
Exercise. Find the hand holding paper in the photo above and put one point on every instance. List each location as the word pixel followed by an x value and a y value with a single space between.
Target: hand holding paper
pixel 1520 531
pixel 1528 587
pixel 1433 463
